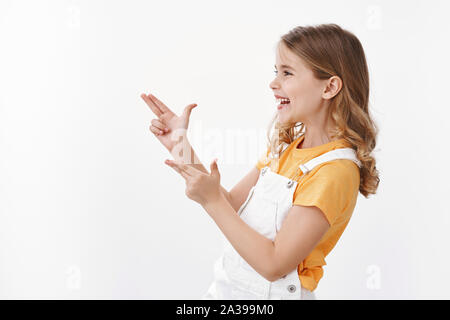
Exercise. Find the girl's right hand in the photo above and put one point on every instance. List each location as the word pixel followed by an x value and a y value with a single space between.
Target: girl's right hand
pixel 168 127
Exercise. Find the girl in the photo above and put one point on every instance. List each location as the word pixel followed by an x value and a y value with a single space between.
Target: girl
pixel 286 215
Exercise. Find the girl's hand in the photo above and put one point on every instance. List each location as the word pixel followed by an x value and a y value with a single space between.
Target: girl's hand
pixel 201 187
pixel 168 127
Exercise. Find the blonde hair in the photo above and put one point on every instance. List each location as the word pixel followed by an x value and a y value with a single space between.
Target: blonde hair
pixel 330 51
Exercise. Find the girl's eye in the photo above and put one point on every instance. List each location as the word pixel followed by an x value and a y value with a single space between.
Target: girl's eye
pixel 286 72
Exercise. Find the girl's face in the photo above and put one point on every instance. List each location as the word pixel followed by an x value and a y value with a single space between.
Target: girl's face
pixel 295 80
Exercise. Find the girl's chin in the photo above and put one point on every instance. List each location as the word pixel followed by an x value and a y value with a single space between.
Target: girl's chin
pixel 283 121
pixel 285 115
pixel 286 119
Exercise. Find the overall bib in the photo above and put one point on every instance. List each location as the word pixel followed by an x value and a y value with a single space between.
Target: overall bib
pixel 265 208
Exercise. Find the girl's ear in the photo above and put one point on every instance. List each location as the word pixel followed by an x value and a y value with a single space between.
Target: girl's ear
pixel 333 86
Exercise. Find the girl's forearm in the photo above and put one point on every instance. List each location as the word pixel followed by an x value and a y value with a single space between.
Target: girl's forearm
pixel 255 248
pixel 193 160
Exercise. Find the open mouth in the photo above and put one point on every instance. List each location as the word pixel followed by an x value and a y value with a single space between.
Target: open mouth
pixel 282 103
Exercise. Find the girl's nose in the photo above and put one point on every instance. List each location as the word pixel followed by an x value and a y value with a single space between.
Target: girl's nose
pixel 273 85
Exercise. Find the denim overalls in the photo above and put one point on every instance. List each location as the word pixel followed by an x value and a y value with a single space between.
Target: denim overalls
pixel 265 208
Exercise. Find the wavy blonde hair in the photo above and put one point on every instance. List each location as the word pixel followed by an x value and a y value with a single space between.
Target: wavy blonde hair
pixel 330 51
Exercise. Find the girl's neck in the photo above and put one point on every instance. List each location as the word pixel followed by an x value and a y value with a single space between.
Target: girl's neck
pixel 311 143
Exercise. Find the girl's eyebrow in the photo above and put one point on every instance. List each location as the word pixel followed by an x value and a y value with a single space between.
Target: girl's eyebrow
pixel 284 66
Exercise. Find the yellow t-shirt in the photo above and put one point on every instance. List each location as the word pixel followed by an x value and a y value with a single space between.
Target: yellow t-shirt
pixel 332 186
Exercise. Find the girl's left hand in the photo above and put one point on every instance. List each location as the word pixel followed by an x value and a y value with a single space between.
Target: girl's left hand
pixel 201 187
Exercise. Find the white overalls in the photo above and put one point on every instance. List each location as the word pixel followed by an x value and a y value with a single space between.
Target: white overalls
pixel 265 208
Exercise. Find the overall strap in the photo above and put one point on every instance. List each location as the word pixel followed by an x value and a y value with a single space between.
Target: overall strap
pixel 341 153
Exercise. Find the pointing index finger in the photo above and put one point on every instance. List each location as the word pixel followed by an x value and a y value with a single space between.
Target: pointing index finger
pixel 190 171
pixel 183 167
pixel 159 103
pixel 174 166
pixel 152 105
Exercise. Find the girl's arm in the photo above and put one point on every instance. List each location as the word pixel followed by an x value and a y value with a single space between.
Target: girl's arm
pixel 301 231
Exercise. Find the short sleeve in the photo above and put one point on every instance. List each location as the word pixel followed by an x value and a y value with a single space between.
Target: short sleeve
pixel 263 160
pixel 332 187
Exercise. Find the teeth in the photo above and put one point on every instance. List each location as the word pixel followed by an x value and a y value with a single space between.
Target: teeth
pixel 279 100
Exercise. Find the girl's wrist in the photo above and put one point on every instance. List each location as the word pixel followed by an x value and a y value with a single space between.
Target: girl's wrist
pixel 214 206
pixel 181 149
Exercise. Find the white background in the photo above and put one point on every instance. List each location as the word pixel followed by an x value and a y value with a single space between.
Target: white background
pixel 89 210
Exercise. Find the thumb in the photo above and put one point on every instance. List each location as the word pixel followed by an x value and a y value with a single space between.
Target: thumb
pixel 187 110
pixel 214 168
